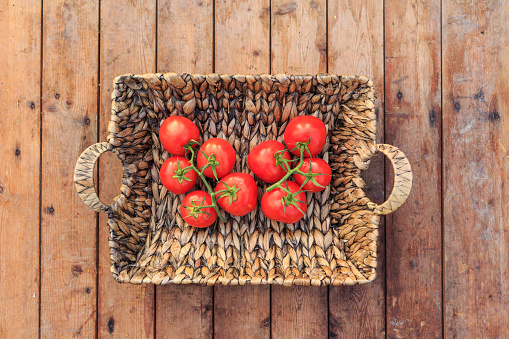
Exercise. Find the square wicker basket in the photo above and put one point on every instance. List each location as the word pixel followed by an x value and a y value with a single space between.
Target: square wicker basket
pixel 334 244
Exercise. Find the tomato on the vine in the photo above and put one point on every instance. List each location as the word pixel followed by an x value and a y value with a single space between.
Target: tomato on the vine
pixel 281 206
pixel 305 129
pixel 175 177
pixel 175 132
pixel 220 156
pixel 316 169
pixel 194 209
pixel 240 196
pixel 265 160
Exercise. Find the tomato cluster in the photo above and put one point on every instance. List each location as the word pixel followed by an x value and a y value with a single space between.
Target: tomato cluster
pixel 285 201
pixel 236 193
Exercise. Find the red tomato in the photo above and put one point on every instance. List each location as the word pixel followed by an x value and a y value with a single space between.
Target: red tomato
pixel 175 132
pixel 321 172
pixel 173 176
pixel 240 199
pixel 194 214
pixel 221 153
pixel 300 130
pixel 272 204
pixel 262 161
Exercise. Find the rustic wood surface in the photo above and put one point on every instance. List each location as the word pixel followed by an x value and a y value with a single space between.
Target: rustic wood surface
pixel 69 103
pixel 20 152
pixel 127 40
pixel 359 23
pixel 242 46
pixel 412 102
pixel 475 154
pixel 440 69
pixel 185 41
pixel 299 41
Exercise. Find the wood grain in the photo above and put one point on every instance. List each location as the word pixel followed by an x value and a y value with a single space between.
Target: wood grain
pixel 476 140
pixel 299 312
pixel 413 103
pixel 69 112
pixel 475 151
pixel 299 46
pixel 20 24
pixel 184 311
pixel 242 47
pixel 242 311
pixel 359 311
pixel 242 37
pixel 128 37
pixel 299 39
pixel 185 44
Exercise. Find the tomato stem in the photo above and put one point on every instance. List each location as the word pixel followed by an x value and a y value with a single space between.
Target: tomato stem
pixel 180 173
pixel 302 148
pixel 310 176
pixel 219 193
pixel 196 210
pixel 204 180
pixel 230 192
pixel 291 199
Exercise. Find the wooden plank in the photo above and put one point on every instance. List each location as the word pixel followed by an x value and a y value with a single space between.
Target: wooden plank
pixel 299 312
pixel 69 116
pixel 128 37
pixel 413 103
pixel 356 40
pixel 299 46
pixel 186 38
pixel 20 24
pixel 242 311
pixel 242 47
pixel 299 38
pixel 243 37
pixel 476 140
pixel 184 311
pixel 185 44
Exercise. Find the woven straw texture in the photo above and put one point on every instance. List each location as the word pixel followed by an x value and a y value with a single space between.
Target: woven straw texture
pixel 335 243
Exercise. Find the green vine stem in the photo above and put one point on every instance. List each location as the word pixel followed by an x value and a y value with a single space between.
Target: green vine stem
pixel 204 180
pixel 303 148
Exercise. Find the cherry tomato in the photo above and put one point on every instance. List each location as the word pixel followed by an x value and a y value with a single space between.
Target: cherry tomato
pixel 240 198
pixel 272 204
pixel 175 132
pixel 262 161
pixel 301 129
pixel 194 214
pixel 221 153
pixel 174 177
pixel 321 172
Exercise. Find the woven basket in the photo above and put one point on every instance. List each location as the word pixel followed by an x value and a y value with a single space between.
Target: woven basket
pixel 334 244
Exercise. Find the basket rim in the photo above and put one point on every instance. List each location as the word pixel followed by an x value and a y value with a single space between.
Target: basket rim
pixel 281 80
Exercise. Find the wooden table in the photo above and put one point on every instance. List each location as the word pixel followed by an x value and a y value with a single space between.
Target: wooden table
pixel 441 69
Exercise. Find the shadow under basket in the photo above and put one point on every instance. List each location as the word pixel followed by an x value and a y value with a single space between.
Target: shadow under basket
pixel 334 244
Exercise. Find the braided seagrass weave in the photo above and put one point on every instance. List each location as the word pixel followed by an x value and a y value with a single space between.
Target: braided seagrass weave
pixel 335 243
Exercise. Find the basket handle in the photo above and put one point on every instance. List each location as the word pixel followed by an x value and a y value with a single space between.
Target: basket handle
pixel 402 180
pixel 84 176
